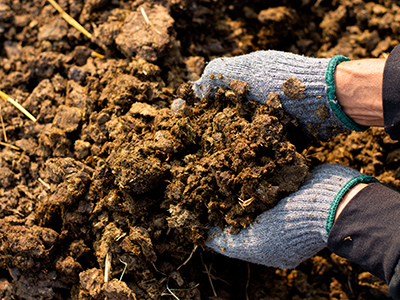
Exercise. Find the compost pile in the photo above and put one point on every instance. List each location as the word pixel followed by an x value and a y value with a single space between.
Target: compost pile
pixel 125 170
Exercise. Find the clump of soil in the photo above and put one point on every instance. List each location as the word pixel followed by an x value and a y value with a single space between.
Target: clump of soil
pixel 216 162
pixel 160 180
pixel 245 162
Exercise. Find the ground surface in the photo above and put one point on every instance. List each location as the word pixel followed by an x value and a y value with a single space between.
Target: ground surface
pixel 110 175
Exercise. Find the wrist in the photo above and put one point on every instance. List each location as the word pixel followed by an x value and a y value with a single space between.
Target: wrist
pixel 348 196
pixel 358 88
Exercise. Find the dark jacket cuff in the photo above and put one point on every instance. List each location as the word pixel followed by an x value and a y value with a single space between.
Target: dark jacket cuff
pixel 367 232
pixel 391 94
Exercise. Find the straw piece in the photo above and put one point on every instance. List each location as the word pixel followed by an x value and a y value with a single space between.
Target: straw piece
pixel 148 21
pixel 17 105
pixel 107 267
pixel 9 145
pixel 3 127
pixel 70 19
pixel 96 54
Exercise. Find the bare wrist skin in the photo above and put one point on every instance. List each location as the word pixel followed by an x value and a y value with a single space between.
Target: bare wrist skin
pixel 348 196
pixel 358 86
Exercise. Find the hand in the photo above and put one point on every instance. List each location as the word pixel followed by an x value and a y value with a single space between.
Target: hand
pixel 298 227
pixel 306 87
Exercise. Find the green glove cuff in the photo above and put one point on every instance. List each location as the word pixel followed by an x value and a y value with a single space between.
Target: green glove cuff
pixel 339 196
pixel 330 82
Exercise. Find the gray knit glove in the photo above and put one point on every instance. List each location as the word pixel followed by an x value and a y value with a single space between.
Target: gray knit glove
pixel 306 87
pixel 298 227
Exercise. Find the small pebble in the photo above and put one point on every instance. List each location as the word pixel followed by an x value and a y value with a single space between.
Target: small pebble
pixel 177 105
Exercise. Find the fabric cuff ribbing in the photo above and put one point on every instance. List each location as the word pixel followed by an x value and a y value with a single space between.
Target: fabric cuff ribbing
pixel 333 207
pixel 331 94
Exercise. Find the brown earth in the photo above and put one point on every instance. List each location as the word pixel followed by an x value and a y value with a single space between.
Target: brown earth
pixel 126 169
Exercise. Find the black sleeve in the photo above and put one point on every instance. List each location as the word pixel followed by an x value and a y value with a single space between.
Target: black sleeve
pixel 367 232
pixel 391 94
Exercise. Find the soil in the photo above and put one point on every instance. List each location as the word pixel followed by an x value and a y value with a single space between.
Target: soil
pixel 125 169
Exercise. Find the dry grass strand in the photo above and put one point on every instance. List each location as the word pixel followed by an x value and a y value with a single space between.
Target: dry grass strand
pixel 10 146
pixel 70 19
pixel 17 105
pixel 3 127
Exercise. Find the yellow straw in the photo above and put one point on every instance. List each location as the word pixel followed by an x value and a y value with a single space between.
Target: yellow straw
pixel 3 127
pixel 96 54
pixel 17 105
pixel 9 145
pixel 70 19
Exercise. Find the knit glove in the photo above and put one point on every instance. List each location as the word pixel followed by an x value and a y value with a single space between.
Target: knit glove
pixel 295 229
pixel 306 87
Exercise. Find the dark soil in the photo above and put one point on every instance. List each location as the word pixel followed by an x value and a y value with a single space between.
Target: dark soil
pixel 126 169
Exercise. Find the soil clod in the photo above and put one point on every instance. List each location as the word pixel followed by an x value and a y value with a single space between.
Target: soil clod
pixel 293 88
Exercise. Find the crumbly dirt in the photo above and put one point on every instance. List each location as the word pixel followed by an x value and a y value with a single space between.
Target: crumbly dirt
pixel 293 88
pixel 125 170
pixel 244 165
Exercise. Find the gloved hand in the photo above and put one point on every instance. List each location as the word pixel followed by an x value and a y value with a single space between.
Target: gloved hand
pixel 298 227
pixel 306 87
